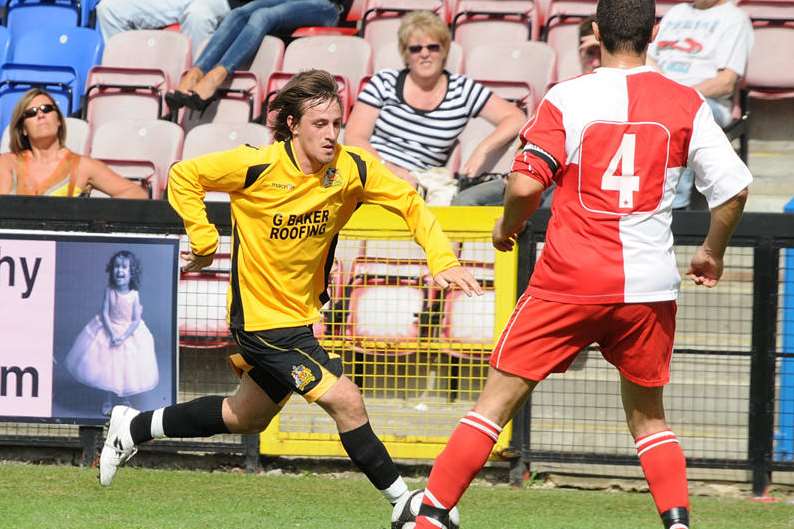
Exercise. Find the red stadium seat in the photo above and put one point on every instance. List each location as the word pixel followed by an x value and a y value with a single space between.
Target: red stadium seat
pixel 479 22
pixel 139 150
pixel 561 32
pixel 138 68
pixel 240 97
pixel 349 59
pixel 519 71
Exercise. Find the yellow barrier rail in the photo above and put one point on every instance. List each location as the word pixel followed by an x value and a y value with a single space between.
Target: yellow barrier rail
pixel 418 354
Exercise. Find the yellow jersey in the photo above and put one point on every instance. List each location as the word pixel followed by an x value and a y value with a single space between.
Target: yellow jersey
pixel 285 224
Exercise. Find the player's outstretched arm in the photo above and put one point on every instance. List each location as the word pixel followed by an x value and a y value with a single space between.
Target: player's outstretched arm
pixel 706 266
pixel 460 277
pixel 522 198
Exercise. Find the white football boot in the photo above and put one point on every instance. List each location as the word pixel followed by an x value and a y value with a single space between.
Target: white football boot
pixel 118 447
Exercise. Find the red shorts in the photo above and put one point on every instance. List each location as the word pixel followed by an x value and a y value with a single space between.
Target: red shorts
pixel 544 337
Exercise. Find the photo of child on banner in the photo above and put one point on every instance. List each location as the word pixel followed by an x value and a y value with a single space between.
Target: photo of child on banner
pixel 115 350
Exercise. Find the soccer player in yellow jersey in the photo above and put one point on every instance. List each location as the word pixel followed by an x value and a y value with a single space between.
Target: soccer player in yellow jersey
pixel 289 201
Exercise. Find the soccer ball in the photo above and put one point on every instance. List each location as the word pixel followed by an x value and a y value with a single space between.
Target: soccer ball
pixel 405 510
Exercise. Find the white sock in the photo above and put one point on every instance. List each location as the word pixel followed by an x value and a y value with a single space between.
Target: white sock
pixel 395 490
pixel 157 424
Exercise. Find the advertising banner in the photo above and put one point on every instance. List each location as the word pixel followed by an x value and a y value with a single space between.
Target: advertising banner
pixel 86 322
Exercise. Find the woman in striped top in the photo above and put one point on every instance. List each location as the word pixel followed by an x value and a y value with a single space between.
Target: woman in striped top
pixel 411 118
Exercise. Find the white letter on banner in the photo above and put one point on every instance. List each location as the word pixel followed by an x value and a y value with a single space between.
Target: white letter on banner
pixel 26 327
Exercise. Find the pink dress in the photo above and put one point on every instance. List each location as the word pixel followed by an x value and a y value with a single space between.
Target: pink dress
pixel 125 369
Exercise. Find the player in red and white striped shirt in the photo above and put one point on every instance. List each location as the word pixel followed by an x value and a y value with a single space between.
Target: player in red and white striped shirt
pixel 615 142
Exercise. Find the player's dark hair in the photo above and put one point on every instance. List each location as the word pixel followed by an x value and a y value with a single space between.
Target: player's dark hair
pixel 302 92
pixel 135 269
pixel 626 25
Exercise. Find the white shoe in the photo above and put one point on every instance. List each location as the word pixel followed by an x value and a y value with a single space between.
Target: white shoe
pixel 114 453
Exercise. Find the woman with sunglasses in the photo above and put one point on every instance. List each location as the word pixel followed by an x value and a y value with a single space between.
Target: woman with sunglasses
pixel 411 118
pixel 40 164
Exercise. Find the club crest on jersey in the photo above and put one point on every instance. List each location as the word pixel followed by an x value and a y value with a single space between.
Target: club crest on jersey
pixel 330 179
pixel 302 376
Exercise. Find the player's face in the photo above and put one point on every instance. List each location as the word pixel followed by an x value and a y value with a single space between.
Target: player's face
pixel 426 56
pixel 40 120
pixel 318 130
pixel 121 272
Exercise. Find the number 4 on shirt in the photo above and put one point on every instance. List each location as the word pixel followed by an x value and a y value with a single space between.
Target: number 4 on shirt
pixel 623 167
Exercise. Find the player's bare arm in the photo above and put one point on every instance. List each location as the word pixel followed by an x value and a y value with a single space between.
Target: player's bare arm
pixel 706 266
pixel 522 198
pixel 461 278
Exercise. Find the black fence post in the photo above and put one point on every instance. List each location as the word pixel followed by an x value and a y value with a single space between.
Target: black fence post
pixel 251 443
pixel 522 420
pixel 90 437
pixel 766 261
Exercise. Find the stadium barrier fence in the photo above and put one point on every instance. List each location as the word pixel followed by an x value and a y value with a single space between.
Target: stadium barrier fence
pixel 726 399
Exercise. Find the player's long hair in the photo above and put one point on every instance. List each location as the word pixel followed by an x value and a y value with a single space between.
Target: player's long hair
pixel 304 91
pixel 626 25
pixel 135 269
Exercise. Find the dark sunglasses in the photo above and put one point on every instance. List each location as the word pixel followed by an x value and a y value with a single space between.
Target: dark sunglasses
pixel 34 111
pixel 417 48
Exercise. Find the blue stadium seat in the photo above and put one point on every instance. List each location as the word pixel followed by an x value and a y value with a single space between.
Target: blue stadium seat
pixel 61 56
pixel 22 16
pixel 5 42
pixel 88 13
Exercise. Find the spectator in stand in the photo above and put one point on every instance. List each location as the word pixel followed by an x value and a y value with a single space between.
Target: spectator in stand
pixel 589 48
pixel 492 192
pixel 197 18
pixel 239 37
pixel 39 164
pixel 411 118
pixel 704 45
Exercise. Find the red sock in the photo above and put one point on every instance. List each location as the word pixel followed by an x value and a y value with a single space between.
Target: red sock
pixel 664 466
pixel 457 465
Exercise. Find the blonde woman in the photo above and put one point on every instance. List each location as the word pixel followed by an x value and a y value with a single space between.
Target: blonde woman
pixel 40 164
pixel 411 118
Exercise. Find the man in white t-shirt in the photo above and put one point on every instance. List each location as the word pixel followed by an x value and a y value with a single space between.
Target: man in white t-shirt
pixel 704 45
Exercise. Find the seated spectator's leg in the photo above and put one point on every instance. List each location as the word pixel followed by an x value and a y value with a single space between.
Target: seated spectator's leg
pixel 721 112
pixel 201 18
pixel 115 16
pixel 683 190
pixel 490 193
pixel 266 17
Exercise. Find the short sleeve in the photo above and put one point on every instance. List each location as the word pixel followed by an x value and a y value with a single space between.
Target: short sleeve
pixel 377 90
pixel 719 173
pixel 478 96
pixel 736 47
pixel 542 151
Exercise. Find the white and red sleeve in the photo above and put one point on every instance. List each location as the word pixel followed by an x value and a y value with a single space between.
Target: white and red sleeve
pixel 719 173
pixel 542 151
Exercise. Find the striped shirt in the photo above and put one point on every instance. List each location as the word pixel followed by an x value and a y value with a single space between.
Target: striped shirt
pixel 414 138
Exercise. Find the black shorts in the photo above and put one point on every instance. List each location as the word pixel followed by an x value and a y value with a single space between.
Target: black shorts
pixel 284 360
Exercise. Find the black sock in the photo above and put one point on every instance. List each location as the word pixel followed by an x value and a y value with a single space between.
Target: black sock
pixel 676 515
pixel 370 456
pixel 201 417
pixel 141 427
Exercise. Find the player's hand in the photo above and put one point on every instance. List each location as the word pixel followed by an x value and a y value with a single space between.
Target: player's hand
pixel 460 277
pixel 705 268
pixel 195 263
pixel 473 165
pixel 502 240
